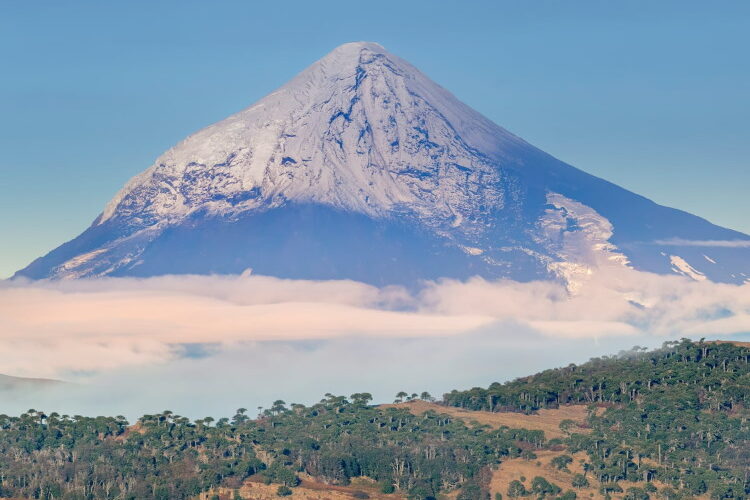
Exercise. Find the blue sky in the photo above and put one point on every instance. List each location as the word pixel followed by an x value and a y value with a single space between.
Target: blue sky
pixel 650 95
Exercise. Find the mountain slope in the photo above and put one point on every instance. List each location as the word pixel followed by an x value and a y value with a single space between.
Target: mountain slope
pixel 362 168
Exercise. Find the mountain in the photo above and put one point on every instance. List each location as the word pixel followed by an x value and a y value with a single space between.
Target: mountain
pixel 363 168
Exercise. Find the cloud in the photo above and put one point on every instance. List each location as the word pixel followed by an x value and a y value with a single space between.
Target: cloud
pixel 704 243
pixel 58 328
pixel 208 343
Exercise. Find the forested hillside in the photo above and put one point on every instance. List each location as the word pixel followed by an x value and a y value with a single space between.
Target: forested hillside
pixel 714 376
pixel 678 414
pixel 671 423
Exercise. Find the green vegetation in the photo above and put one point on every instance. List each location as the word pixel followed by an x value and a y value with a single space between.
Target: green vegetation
pixel 580 481
pixel 717 373
pixel 542 488
pixel 675 417
pixel 562 462
pixel 169 457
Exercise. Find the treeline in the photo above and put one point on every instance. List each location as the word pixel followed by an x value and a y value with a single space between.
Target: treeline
pixel 166 456
pixel 717 374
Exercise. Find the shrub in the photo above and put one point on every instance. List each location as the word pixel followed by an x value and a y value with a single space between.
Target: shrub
pixel 562 462
pixel 580 481
pixel 387 488
pixel 542 488
pixel 636 494
pixel 608 488
pixel 517 489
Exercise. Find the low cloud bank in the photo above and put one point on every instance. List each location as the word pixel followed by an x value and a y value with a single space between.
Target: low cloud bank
pixel 135 343
pixel 252 374
pixel 705 243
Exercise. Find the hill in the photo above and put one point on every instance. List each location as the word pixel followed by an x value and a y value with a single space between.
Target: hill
pixel 671 423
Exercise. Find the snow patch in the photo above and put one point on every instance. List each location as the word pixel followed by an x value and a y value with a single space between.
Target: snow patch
pixel 70 266
pixel 578 236
pixel 472 250
pixel 681 266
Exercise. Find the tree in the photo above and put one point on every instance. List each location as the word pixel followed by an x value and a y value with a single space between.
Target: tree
pixel 608 488
pixel 561 462
pixel 634 493
pixel 579 481
pixel 387 488
pixel 279 406
pixel 471 491
pixel 280 474
pixel 566 425
pixel 670 494
pixel 542 488
pixel 361 398
pixel 517 489
pixel 240 416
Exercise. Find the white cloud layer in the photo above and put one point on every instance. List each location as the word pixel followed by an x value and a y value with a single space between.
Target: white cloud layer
pixel 166 339
pixel 705 243
pixel 57 328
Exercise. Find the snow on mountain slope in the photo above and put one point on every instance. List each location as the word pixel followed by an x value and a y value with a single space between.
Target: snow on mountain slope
pixel 361 167
pixel 359 130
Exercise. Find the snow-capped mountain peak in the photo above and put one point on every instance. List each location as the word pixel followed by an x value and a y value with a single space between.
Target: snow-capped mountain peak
pixel 361 167
pixel 360 130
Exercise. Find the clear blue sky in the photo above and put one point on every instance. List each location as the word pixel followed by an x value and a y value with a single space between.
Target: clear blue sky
pixel 654 96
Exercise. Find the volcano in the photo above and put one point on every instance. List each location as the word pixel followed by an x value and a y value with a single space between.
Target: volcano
pixel 362 168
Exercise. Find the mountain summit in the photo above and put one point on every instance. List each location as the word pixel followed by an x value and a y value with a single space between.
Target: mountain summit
pixel 363 168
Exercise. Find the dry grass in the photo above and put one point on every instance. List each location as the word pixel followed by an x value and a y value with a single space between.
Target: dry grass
pixel 526 470
pixel 733 342
pixel 518 469
pixel 308 489
pixel 544 420
pixel 136 428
